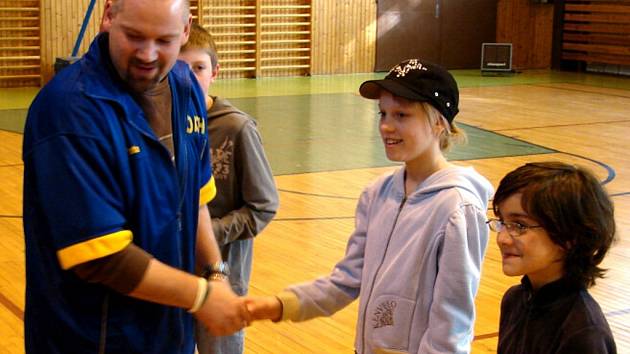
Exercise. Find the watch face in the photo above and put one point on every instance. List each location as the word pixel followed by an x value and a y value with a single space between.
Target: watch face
pixel 220 267
pixel 224 268
pixel 216 268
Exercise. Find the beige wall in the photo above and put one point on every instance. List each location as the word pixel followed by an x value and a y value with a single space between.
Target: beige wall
pixel 344 36
pixel 60 26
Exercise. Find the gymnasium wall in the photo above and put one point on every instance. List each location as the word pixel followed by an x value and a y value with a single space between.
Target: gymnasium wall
pixel 330 37
pixel 529 27
pixel 344 36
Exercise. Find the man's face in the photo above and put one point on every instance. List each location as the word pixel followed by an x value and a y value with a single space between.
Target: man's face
pixel 144 39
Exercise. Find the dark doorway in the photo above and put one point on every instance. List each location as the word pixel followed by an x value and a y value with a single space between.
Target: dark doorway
pixel 446 32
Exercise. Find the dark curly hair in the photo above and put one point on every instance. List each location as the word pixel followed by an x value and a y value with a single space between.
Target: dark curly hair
pixel 572 206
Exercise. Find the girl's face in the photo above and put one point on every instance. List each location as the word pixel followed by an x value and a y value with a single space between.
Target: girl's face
pixel 405 129
pixel 532 253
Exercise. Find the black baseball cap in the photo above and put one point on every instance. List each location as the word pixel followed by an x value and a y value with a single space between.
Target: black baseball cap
pixel 421 81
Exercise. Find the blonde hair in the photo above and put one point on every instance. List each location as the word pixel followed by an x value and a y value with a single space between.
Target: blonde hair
pixel 451 134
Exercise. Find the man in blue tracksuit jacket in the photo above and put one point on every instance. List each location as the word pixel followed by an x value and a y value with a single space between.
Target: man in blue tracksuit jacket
pixel 116 179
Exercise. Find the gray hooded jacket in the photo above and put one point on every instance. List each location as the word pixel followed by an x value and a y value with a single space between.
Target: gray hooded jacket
pixel 246 198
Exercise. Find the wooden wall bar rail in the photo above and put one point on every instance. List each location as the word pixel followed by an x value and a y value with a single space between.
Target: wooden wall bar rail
pixel 20 49
pixel 596 32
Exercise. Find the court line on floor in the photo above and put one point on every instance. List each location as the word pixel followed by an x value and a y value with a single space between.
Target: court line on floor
pixel 611 172
pixel 563 125
pixel 315 218
pixel 608 94
pixel 13 308
pixel 316 195
pixel 486 336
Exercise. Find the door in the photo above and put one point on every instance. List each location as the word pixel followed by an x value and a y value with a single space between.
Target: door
pixel 446 32
pixel 406 29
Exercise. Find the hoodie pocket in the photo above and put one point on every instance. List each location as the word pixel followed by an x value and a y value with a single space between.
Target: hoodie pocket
pixel 389 324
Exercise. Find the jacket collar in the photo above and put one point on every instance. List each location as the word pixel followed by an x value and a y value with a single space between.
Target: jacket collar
pixel 550 293
pixel 101 81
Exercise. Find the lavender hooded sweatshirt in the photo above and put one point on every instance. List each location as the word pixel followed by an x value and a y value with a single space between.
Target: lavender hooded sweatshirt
pixel 414 263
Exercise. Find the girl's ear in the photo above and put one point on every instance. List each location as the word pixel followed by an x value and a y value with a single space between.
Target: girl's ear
pixel 438 127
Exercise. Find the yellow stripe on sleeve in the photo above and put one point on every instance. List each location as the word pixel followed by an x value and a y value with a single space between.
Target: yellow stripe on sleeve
pixel 93 249
pixel 207 192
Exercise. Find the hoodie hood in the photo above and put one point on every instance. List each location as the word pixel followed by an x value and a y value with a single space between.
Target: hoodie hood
pixel 221 107
pixel 464 178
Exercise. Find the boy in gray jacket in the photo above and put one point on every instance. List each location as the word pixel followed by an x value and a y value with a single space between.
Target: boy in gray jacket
pixel 246 198
pixel 414 258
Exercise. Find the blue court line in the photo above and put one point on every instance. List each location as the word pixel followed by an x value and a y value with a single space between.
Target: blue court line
pixel 618 313
pixel 611 172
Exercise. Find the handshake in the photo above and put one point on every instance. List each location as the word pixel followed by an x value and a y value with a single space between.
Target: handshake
pixel 224 313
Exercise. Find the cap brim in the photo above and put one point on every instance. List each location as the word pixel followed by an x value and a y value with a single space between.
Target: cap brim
pixel 372 90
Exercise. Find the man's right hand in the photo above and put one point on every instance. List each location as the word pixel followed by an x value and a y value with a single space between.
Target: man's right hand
pixel 223 312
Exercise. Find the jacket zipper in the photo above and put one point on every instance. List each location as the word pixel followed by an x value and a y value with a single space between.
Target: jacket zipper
pixel 104 312
pixel 367 301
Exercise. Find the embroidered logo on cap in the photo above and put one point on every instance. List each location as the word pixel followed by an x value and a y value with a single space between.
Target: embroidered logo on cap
pixel 413 64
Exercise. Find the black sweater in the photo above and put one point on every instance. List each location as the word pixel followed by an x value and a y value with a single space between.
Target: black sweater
pixel 560 318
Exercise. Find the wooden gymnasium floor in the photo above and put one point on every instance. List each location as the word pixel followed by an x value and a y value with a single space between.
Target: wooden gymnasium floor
pixel 322 141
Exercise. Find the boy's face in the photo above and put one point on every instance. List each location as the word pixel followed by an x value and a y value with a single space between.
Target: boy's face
pixel 532 253
pixel 201 65
pixel 405 130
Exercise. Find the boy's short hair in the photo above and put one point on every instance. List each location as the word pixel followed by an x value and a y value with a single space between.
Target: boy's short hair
pixel 201 39
pixel 574 209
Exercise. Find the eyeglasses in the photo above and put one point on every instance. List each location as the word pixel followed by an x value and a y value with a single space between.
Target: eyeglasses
pixel 513 229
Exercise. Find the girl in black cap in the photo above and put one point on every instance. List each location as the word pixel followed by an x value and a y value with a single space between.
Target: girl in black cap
pixel 415 256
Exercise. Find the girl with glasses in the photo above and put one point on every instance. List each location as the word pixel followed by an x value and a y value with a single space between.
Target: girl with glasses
pixel 555 224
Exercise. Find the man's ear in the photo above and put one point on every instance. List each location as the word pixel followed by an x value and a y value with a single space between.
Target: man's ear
pixel 187 28
pixel 106 19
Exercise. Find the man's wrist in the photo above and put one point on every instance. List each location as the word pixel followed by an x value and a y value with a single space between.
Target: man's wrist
pixel 203 290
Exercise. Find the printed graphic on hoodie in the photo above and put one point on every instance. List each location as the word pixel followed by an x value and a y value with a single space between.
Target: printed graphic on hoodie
pixel 384 314
pixel 222 158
